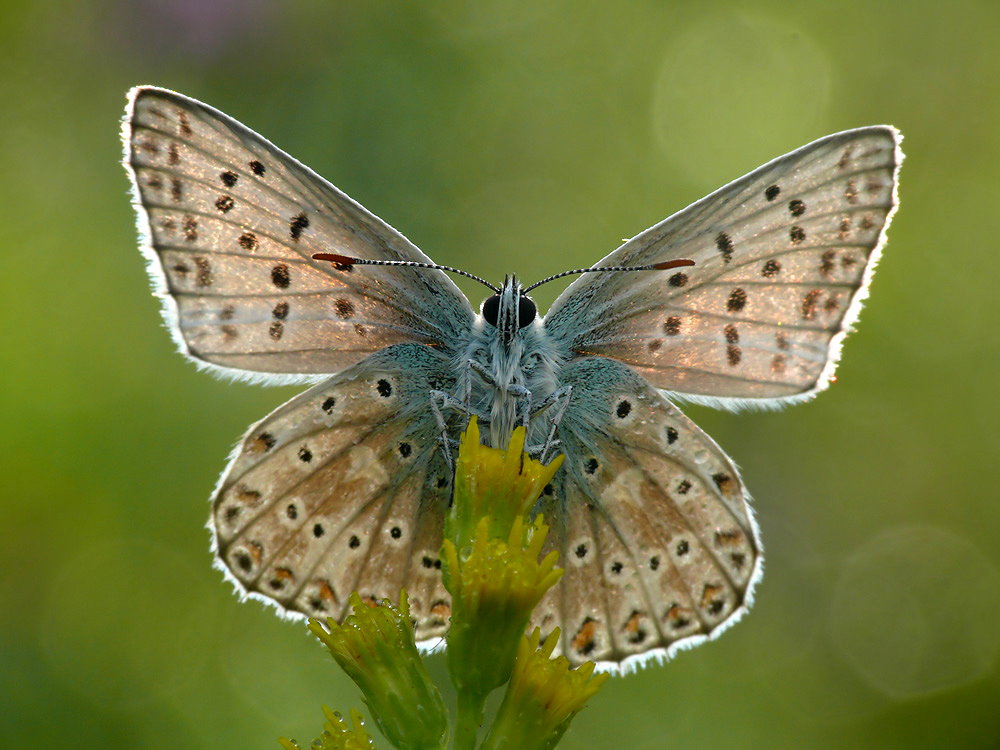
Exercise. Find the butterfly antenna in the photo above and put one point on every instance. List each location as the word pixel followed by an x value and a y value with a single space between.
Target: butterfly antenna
pixel 665 265
pixel 345 263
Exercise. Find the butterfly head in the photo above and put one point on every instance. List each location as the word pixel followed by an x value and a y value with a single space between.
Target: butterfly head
pixel 509 310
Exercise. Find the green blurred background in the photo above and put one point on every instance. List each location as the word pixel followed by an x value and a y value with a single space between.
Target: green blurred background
pixel 499 136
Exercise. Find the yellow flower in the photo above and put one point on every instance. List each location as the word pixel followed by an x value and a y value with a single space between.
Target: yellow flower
pixel 543 697
pixel 491 567
pixel 337 734
pixel 493 593
pixel 490 557
pixel 498 485
pixel 375 646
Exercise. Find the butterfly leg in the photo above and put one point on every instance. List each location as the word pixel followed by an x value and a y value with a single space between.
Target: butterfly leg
pixel 439 400
pixel 511 389
pixel 557 401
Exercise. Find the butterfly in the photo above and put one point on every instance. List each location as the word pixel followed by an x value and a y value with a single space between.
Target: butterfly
pixel 269 273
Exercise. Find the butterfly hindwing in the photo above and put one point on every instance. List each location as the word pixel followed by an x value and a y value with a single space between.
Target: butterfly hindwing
pixel 231 223
pixel 651 522
pixel 342 489
pixel 783 257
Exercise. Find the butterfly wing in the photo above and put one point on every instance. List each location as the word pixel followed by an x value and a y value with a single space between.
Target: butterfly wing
pixel 342 489
pixel 783 260
pixel 651 522
pixel 230 224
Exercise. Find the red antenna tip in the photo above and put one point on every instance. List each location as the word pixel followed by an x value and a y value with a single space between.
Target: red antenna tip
pixel 342 262
pixel 670 264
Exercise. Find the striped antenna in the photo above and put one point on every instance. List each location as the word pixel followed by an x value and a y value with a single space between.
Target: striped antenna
pixel 345 263
pixel 665 265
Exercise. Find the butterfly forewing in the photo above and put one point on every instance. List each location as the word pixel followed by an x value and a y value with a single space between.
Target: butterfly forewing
pixel 343 489
pixel 783 258
pixel 651 522
pixel 232 223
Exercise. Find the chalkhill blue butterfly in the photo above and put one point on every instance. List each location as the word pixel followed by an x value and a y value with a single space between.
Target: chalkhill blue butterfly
pixel 269 273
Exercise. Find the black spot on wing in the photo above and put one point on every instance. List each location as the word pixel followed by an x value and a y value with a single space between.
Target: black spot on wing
pixel 725 246
pixel 248 241
pixel 770 269
pixel 737 300
pixel 344 308
pixel 851 192
pixel 827 263
pixel 297 225
pixel 190 228
pixel 809 303
pixel 204 277
pixel 183 122
pixel 280 276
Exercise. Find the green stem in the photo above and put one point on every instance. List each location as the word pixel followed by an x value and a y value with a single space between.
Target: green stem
pixel 470 717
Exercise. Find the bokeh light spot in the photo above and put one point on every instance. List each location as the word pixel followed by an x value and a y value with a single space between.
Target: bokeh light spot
pixel 915 611
pixel 736 90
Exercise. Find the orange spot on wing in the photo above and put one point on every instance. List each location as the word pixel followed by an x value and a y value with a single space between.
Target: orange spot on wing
pixel 728 538
pixel 584 639
pixel 256 551
pixel 326 591
pixel 633 624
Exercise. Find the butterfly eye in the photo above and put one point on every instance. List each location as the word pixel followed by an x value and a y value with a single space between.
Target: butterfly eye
pixel 526 311
pixel 491 309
